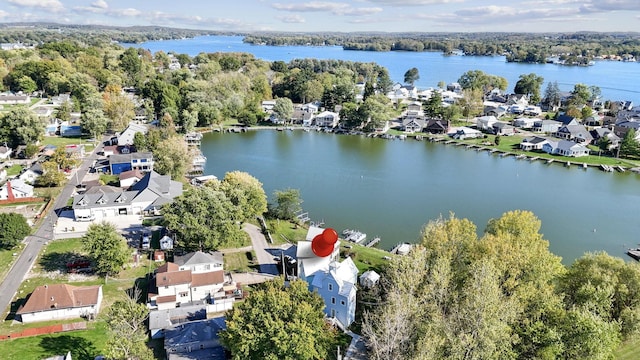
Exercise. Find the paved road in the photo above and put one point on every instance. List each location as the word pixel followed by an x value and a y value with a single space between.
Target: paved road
pixel 41 235
pixel 267 263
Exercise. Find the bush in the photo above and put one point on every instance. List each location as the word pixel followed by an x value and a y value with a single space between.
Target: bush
pixel 13 228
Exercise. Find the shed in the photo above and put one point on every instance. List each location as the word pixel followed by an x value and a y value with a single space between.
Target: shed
pixel 369 278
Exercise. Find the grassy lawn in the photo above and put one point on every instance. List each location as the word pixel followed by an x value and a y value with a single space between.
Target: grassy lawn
pixel 628 350
pixel 63 141
pixel 7 259
pixel 14 170
pixel 84 345
pixel 284 232
pixel 240 261
pixel 365 258
pixel 512 144
pixel 113 180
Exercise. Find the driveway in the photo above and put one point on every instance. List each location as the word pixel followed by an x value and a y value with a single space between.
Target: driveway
pixel 263 250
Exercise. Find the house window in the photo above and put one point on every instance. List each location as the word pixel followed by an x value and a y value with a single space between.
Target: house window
pixel 333 300
pixel 166 287
pixel 207 267
pixel 342 302
pixel 184 294
pixel 194 289
pixel 330 287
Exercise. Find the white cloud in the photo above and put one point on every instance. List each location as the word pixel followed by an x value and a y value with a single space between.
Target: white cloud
pixel 291 19
pixel 323 6
pixel 413 2
pixel 50 5
pixel 610 5
pixel 100 4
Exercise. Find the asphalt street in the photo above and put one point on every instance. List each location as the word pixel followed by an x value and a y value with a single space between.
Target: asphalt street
pixel 41 235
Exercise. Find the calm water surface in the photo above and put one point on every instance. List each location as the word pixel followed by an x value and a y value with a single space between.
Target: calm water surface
pixel 617 80
pixel 392 188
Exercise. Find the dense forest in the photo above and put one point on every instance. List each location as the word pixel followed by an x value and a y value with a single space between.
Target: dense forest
pixel 38 33
pixel 574 48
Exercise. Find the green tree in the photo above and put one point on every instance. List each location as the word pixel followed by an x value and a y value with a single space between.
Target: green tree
pixel 580 94
pixel 278 322
pixel 63 112
pixel 13 229
pixel 411 76
pixel 552 95
pixel 530 86
pixel 245 192
pixel 171 156
pixel 127 334
pixel 203 218
pixel 94 122
pixel 288 204
pixel 118 108
pixel 433 106
pixel 629 146
pixel 106 247
pixel 52 175
pixel 140 141
pixel 283 109
pixel 20 126
pixel 375 111
pixel 27 84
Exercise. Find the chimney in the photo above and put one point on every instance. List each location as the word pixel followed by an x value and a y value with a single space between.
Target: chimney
pixel 10 195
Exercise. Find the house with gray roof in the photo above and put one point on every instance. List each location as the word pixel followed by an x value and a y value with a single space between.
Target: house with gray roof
pixel 533 143
pixel 126 137
pixel 565 148
pixel 195 340
pixel 577 133
pixel 144 197
pixel 546 126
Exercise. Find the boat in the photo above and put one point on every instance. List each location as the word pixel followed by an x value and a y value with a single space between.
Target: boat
pixel 401 249
pixel 634 253
pixel 354 236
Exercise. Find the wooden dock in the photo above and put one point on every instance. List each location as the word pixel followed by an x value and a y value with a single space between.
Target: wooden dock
pixel 372 242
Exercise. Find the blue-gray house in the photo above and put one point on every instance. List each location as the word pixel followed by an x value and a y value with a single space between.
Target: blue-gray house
pixel 119 163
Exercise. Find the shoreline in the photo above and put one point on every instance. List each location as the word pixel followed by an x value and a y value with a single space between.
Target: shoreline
pixel 621 166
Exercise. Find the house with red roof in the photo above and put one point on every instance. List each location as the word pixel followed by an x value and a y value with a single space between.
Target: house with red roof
pixel 61 301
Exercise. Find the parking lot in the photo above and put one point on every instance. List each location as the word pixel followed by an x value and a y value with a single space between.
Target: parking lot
pixel 66 226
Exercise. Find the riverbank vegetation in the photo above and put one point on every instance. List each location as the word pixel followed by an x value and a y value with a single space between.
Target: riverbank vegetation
pixel 501 295
pixel 571 48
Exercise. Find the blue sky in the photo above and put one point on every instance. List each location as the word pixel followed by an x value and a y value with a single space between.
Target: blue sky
pixel 345 16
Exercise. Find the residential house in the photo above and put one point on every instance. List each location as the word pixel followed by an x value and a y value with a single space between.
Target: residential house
pixel 61 301
pixel 495 111
pixel 521 100
pixel 15 189
pixel 195 340
pixel 14 99
pixel 142 161
pixel 129 178
pixel 166 243
pixel 455 87
pixel 268 105
pixel 334 281
pixel 32 174
pixel 600 133
pixel 567 120
pixel 43 111
pixel 327 119
pixel 565 148
pixel 524 122
pixel 533 143
pixel 594 120
pixel 622 127
pixel 126 137
pixel 577 133
pixel 413 124
pixel 75 151
pixel 194 277
pixel 145 197
pixel 5 152
pixel 436 126
pixel 502 128
pixel 302 117
pixel 546 126
pixel 337 287
pixel 485 123
pixel 193 139
pixel 464 132
pixel 532 110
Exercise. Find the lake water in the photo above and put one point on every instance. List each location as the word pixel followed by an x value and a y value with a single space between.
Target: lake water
pixel 392 188
pixel 617 80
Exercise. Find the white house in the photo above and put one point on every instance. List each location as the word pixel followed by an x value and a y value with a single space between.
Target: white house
pixel 327 119
pixel 15 189
pixel 369 278
pixel 533 143
pixel 464 132
pixel 485 123
pixel 565 148
pixel 145 197
pixel 61 301
pixel 524 122
pixel 5 152
pixel 193 277
pixel 126 137
pixel 129 178
pixel 32 174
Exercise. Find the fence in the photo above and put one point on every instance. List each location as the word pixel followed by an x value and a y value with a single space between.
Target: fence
pixel 52 329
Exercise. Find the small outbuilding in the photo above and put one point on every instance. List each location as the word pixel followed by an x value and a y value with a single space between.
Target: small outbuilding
pixel 369 279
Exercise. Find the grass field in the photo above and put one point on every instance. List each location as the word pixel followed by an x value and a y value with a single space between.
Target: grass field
pixel 240 261
pixel 284 232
